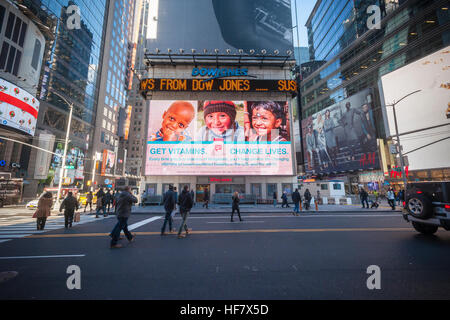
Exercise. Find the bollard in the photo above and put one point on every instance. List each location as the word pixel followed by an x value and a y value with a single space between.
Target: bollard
pixel 317 206
pixel 300 205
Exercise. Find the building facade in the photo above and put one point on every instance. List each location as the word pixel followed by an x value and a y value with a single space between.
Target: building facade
pixel 353 60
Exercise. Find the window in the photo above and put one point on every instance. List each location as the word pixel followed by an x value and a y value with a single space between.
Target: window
pixel 336 186
pixel 2 16
pixel 36 54
pixel 9 26
pixel 323 186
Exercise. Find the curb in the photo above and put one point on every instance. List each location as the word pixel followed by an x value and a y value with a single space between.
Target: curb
pixel 288 212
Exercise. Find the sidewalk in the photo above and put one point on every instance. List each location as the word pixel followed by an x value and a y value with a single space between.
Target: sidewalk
pixel 213 209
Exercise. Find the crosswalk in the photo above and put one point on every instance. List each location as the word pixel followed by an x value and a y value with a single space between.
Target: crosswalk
pixel 11 229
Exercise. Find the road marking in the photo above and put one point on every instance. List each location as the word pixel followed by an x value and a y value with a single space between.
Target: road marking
pixel 44 257
pixel 302 216
pixel 141 223
pixel 3 232
pixel 228 231
pixel 236 222
pixel 6 240
pixel 9 236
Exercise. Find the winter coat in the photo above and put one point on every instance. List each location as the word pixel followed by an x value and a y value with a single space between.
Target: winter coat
pixel 236 201
pixel 169 200
pixel 89 197
pixel 44 207
pixel 69 204
pixel 185 201
pixel 124 203
pixel 307 196
pixel 296 197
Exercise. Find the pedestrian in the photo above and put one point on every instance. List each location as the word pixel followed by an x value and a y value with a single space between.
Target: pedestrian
pixel 307 196
pixel 43 210
pixel 296 198
pixel 100 202
pixel 375 193
pixel 275 198
pixel 285 200
pixel 235 205
pixel 69 204
pixel 401 196
pixel 193 197
pixel 206 198
pixel 115 198
pixel 185 202
pixel 391 198
pixel 397 198
pixel 363 195
pixel 108 201
pixel 89 198
pixel 169 205
pixel 124 202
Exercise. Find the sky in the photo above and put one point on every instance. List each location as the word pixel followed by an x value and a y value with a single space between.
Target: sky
pixel 304 8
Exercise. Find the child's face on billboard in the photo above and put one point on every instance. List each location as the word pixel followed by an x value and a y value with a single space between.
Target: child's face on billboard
pixel 264 121
pixel 176 119
pixel 218 122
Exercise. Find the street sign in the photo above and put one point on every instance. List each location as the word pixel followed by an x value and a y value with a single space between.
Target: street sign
pixel 393 149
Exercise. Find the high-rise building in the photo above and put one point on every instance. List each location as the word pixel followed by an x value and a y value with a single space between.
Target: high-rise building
pixel 355 54
pixel 114 89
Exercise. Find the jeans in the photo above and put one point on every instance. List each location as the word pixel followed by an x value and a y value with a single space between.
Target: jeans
pixel 364 201
pixel 168 217
pixel 185 215
pixel 297 207
pixel 392 203
pixel 88 203
pixel 101 208
pixel 274 202
pixel 122 224
pixel 236 208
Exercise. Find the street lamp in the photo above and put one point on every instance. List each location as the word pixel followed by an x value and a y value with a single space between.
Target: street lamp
pixel 63 164
pixel 402 164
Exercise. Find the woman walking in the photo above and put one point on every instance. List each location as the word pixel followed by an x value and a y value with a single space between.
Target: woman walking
pixel 235 205
pixel 44 209
pixel 391 198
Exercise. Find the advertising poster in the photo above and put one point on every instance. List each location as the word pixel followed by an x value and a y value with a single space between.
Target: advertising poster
pixel 342 137
pixel 230 137
pixel 18 108
pixel 108 162
pixel 218 24
pixel 429 107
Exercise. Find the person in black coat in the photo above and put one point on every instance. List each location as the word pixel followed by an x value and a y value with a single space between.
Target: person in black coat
pixel 296 198
pixel 285 200
pixel 235 205
pixel 124 203
pixel 169 205
pixel 206 198
pixel 186 203
pixel 69 204
pixel 108 201
pixel 363 195
pixel 308 198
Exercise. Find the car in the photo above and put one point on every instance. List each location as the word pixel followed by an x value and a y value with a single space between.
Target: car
pixel 427 206
pixel 82 199
pixel 32 204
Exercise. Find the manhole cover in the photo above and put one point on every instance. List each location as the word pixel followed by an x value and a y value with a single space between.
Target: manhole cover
pixel 7 275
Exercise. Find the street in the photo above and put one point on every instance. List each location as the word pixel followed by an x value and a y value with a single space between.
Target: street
pixel 317 255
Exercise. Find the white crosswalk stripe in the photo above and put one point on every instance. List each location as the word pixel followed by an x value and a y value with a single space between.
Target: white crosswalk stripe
pixel 11 228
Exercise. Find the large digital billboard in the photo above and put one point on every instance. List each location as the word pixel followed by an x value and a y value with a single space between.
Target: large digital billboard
pixel 426 112
pixel 226 137
pixel 342 137
pixel 18 108
pixel 219 24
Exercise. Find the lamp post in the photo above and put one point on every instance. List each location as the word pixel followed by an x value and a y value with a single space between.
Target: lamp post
pixel 402 164
pixel 63 163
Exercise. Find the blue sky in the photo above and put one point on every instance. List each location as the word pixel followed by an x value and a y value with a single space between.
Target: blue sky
pixel 304 8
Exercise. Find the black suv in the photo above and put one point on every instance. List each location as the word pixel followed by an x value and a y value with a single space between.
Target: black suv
pixel 427 206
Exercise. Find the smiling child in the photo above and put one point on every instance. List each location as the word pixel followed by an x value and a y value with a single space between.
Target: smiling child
pixel 266 119
pixel 220 122
pixel 176 119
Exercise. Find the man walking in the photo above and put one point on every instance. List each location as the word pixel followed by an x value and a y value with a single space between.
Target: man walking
pixel 100 202
pixel 185 202
pixel 296 198
pixel 363 195
pixel 308 198
pixel 89 198
pixel 108 201
pixel 69 204
pixel 169 206
pixel 391 198
pixel 124 202
pixel 206 199
pixel 285 200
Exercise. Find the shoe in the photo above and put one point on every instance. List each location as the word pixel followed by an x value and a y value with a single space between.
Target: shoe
pixel 105 215
pixel 188 231
pixel 116 246
pixel 241 220
pixel 133 238
pixel 96 216
pixel 181 236
pixel 232 220
pixel 173 231
pixel 70 225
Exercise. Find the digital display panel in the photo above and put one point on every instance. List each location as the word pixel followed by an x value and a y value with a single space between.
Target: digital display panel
pixel 208 137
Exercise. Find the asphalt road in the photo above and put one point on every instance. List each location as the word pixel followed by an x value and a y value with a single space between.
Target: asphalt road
pixel 267 256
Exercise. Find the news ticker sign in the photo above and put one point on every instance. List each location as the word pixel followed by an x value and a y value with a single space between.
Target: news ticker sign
pixel 221 85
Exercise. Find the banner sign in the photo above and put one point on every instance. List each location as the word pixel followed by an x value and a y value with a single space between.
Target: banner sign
pixel 208 137
pixel 225 85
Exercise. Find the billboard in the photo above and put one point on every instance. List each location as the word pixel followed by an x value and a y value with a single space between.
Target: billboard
pixel 226 137
pixel 108 162
pixel 218 24
pixel 342 137
pixel 430 107
pixel 18 108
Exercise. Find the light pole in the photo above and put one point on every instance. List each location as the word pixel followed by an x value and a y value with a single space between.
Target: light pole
pixel 63 163
pixel 402 164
